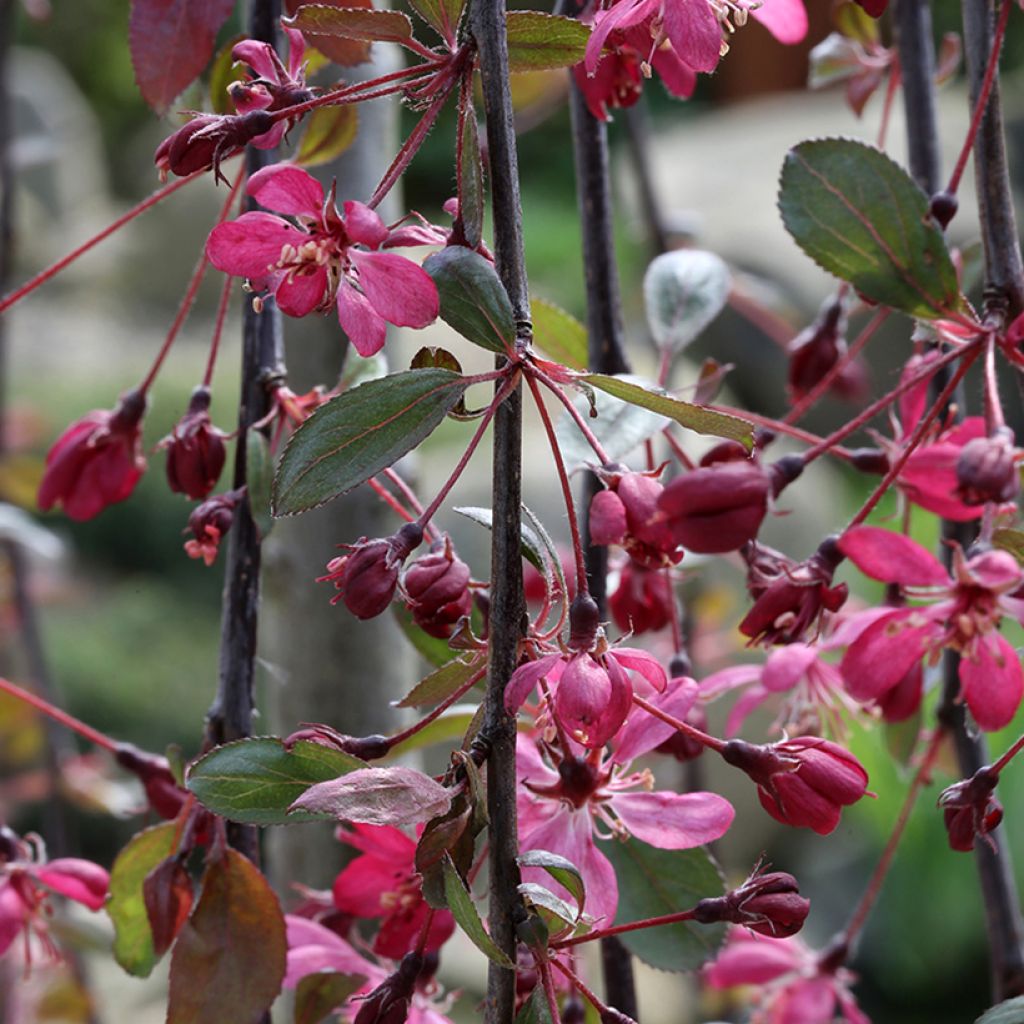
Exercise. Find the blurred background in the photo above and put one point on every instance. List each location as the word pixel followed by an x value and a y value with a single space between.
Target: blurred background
pixel 128 625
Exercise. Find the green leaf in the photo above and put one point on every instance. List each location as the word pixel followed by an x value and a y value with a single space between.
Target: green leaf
pixel 694 417
pixel 442 15
pixel 562 870
pixel 361 433
pixel 329 132
pixel 684 291
pixel 461 905
pixel 441 683
pixel 654 882
pixel 231 952
pixel 530 544
pixel 1011 541
pixel 471 179
pixel 432 649
pixel 559 334
pixel 555 912
pixel 473 299
pixel 860 216
pixel 366 25
pixel 259 478
pixel 319 994
pixel 1009 1012
pixel 535 1010
pixel 133 937
pixel 543 42
pixel 256 780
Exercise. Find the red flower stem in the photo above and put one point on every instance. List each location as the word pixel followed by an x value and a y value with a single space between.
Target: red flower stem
pixel 218 328
pixel 890 95
pixel 983 96
pixel 994 418
pixel 680 726
pixel 782 427
pixel 509 385
pixel 677 449
pixel 414 503
pixel 764 319
pixel 44 275
pixel 544 969
pixel 191 291
pixel 879 404
pixel 563 479
pixel 390 500
pixel 619 929
pixel 811 398
pixel 921 778
pixel 919 431
pixel 587 994
pixel 69 721
pixel 1009 755
pixel 405 734
pixel 587 433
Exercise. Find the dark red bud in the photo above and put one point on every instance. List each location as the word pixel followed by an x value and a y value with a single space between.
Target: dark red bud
pixel 210 522
pixel 943 207
pixel 784 471
pixel 970 809
pixel 584 622
pixel 573 1011
pixel 870 460
pixel 769 903
pixel 389 1002
pixel 986 470
pixel 437 586
pixel 195 450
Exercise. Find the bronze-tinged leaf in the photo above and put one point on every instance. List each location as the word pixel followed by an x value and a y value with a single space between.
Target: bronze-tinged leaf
pixel 229 961
pixel 167 892
pixel 171 41
pixel 346 53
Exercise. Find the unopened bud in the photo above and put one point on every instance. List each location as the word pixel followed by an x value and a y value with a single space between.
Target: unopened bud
pixel 767 902
pixel 584 622
pixel 943 207
pixel 986 470
pixel 970 809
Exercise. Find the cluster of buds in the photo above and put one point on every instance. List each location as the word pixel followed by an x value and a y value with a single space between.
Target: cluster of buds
pixel 768 902
pixel 437 590
pixel 626 513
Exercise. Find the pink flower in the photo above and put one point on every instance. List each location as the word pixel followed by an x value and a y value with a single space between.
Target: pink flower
pixel 323 259
pixel 566 801
pixel 97 461
pixel 793 985
pixel 964 615
pixel 383 882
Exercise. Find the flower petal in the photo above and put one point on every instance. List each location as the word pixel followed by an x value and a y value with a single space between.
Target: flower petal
pixel 785 19
pixel 694 32
pixel 364 326
pixel 892 558
pixel 79 880
pixel 674 821
pixel 399 290
pixel 286 188
pixel 364 225
pixel 991 681
pixel 252 244
pixel 299 294
pixel 884 653
pixel 786 665
pixel 525 678
pixel 641 662
pixel 643 732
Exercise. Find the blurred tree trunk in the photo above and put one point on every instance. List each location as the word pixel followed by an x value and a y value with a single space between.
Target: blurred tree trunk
pixel 322 665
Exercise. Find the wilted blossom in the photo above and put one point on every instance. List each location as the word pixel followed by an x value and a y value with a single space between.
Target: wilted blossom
pixel 964 615
pixel 804 782
pixel 437 590
pixel 569 799
pixel 26 881
pixel 792 984
pixel 195 449
pixel 367 577
pixel 626 513
pixel 97 461
pixel 324 259
pixel 382 882
pixel 768 902
pixel 970 809
pixel 643 600
pixel 210 522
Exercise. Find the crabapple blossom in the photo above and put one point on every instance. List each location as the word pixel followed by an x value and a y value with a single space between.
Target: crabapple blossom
pixel 210 522
pixel 643 600
pixel 436 587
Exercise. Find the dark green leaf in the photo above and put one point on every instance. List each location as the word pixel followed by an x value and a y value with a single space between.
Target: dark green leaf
pixel 461 905
pixel 471 178
pixel 694 417
pixel 259 478
pixel 319 994
pixel 329 132
pixel 654 882
pixel 535 1010
pixel 431 648
pixel 369 26
pixel 473 299
pixel 538 42
pixel 531 545
pixel 684 291
pixel 133 937
pixel 559 334
pixel 560 869
pixel 860 216
pixel 256 780
pixel 361 433
pixel 1009 1012
pixel 441 683
pixel 231 952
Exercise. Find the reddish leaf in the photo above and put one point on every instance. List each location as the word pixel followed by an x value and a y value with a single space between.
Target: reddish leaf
pixel 167 892
pixel 229 961
pixel 346 52
pixel 171 41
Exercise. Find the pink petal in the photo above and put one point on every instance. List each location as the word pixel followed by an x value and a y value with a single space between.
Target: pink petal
pixel 991 681
pixel 525 678
pixel 641 662
pixel 747 704
pixel 592 700
pixel 531 767
pixel 251 245
pixel 694 32
pixel 296 50
pixel 79 880
pixel 381 841
pixel 677 78
pixel 729 679
pixel 884 653
pixel 299 294
pixel 313 948
pixel 892 558
pixel 787 665
pixel 929 479
pixel 754 960
pixel 995 570
pixel 399 290
pixel 643 732
pixel 674 821
pixel 364 225
pixel 257 56
pixel 810 1001
pixel 785 19
pixel 360 887
pixel 620 16
pixel 13 915
pixel 365 328
pixel 286 188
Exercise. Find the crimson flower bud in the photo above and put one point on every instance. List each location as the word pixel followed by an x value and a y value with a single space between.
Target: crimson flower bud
pixel 195 449
pixel 627 514
pixel 210 523
pixel 573 1011
pixel 164 794
pixel 389 1002
pixel 717 508
pixel 970 809
pixel 584 622
pixel 804 782
pixel 767 902
pixel 436 586
pixel 610 1015
pixel 97 461
pixel 815 351
pixel 643 599
pixel 367 577
pixel 207 140
pixel 986 470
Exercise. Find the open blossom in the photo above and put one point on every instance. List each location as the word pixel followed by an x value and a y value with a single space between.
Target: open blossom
pixel 566 801
pixel 382 882
pixel 964 615
pixel 793 985
pixel 323 259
